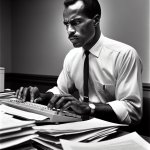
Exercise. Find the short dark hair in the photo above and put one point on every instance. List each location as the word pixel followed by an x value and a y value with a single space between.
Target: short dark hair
pixel 92 7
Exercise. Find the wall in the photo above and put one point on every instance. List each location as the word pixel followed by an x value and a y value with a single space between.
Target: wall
pixel 39 39
pixel 0 32
pixel 128 21
pixel 5 34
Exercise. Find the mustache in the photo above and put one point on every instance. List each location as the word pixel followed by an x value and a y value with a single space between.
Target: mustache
pixel 72 37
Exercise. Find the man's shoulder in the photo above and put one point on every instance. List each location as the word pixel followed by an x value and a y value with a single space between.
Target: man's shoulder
pixel 117 46
pixel 122 50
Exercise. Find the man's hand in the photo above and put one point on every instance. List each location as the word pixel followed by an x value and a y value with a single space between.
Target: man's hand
pixel 28 94
pixel 33 94
pixel 63 102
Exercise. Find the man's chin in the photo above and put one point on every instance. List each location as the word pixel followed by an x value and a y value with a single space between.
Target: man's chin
pixel 76 45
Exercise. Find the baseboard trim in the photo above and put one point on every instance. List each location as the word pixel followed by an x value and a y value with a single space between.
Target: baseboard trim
pixel 31 78
pixel 146 86
pixel 43 82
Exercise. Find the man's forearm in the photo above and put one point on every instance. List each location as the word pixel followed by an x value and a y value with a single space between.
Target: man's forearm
pixel 105 112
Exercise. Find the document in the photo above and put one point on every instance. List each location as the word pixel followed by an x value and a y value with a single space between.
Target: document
pixel 21 113
pixel 131 141
pixel 92 130
pixel 16 141
pixel 14 131
pixel 91 136
pixel 7 122
pixel 9 131
pixel 15 134
pixel 47 145
pixel 80 126
pixel 6 94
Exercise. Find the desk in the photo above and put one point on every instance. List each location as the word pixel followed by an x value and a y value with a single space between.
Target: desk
pixel 33 146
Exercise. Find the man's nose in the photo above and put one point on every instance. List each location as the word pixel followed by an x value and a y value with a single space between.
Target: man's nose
pixel 70 30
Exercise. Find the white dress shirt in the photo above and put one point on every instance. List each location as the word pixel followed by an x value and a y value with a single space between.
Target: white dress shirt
pixel 114 77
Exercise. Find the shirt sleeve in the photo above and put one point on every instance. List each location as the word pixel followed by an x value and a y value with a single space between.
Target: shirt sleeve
pixel 128 103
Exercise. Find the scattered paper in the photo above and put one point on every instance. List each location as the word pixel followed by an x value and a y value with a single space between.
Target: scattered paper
pixel 16 141
pixel 21 132
pixel 90 136
pixel 92 130
pixel 14 131
pixel 80 126
pixel 47 144
pixel 131 141
pixel 6 94
pixel 21 113
pixel 7 122
pixel 9 130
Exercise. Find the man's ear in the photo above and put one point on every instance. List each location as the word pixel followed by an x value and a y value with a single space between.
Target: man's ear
pixel 96 19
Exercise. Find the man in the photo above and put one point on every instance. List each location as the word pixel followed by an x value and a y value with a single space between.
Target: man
pixel 114 83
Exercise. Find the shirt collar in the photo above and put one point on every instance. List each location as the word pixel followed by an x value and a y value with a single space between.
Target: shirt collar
pixel 96 49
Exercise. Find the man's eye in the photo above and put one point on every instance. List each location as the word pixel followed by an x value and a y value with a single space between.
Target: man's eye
pixel 66 23
pixel 76 22
pixel 73 23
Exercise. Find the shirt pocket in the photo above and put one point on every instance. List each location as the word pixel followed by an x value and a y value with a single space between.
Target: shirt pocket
pixel 107 91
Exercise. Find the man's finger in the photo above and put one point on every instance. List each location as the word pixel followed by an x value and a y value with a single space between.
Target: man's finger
pixel 53 101
pixel 31 94
pixel 50 105
pixel 67 106
pixel 24 94
pixel 36 92
pixel 38 100
pixel 20 92
pixel 62 101
pixel 17 92
pixel 71 102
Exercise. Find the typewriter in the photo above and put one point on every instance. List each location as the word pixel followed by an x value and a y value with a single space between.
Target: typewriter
pixel 53 114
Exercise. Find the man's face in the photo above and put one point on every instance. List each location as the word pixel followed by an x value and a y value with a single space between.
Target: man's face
pixel 80 28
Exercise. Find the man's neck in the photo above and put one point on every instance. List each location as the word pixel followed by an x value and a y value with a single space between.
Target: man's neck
pixel 94 40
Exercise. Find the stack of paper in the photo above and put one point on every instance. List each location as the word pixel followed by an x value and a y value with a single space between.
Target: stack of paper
pixel 131 141
pixel 7 94
pixel 14 131
pixel 92 131
pixel 21 113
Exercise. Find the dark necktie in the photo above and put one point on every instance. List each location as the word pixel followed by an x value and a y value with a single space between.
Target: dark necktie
pixel 86 77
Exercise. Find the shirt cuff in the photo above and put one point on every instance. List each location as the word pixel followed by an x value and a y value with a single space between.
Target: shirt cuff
pixel 121 111
pixel 54 90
